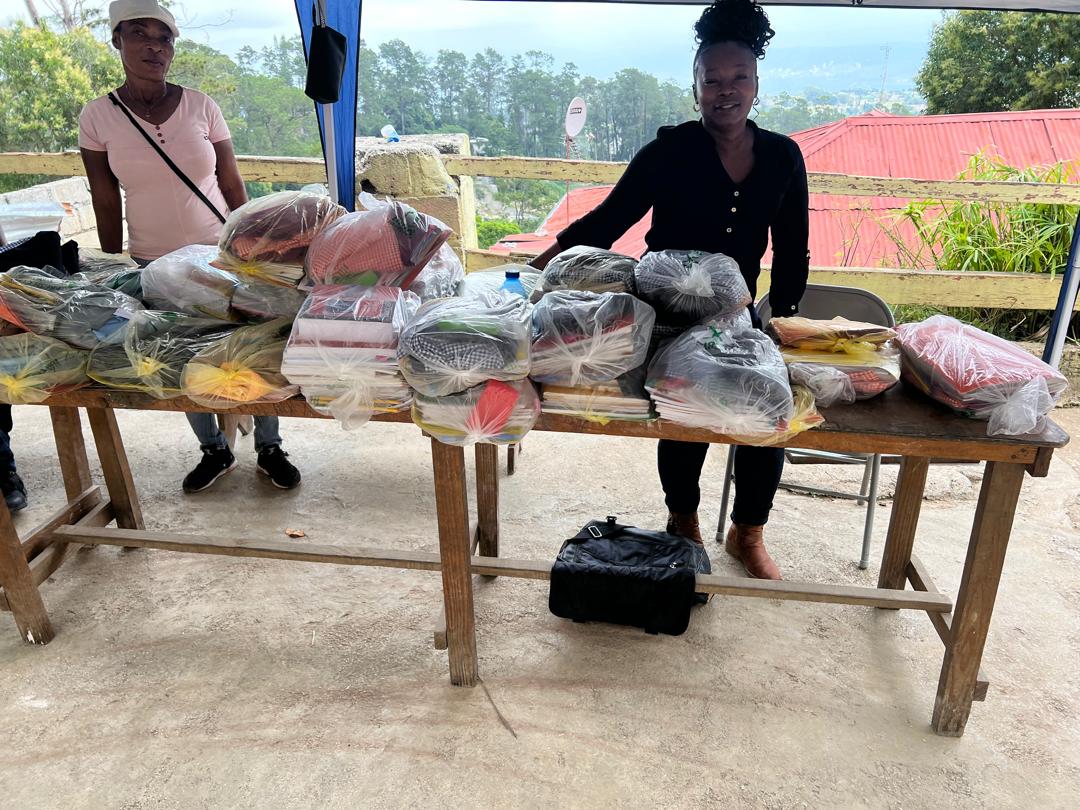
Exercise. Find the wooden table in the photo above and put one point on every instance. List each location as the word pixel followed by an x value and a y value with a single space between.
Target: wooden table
pixel 899 422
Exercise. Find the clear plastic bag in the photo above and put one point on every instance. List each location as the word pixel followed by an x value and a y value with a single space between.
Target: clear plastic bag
pixel 732 382
pixel 485 282
pixel 663 332
pixel 456 343
pixel 186 281
pixel 258 302
pixel 687 286
pixel 268 238
pixel 870 369
pixel 589 269
pixel 833 335
pixel 113 270
pixel 149 353
pixel 979 374
pixel 492 412
pixel 342 351
pixel 70 309
pixel 33 367
pixel 386 245
pixel 828 384
pixel 442 276
pixel 99 263
pixel 241 368
pixel 580 338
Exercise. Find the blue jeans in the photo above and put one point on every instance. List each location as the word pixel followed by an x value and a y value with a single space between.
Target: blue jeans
pixel 211 438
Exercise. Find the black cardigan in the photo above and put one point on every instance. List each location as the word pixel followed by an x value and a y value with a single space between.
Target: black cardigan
pixel 696 206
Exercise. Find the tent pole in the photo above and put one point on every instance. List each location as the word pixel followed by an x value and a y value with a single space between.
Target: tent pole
pixel 1070 285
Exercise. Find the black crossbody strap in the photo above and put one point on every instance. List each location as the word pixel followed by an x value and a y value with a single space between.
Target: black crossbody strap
pixel 168 161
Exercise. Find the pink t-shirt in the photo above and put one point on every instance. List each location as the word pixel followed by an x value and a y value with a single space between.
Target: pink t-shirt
pixel 162 213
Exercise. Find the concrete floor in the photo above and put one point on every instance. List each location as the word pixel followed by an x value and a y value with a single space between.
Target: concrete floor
pixel 195 681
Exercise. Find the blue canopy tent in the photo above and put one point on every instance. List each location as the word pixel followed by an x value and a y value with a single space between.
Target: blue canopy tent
pixel 337 122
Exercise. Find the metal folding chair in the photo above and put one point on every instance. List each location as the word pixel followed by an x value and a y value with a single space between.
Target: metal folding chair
pixel 827 301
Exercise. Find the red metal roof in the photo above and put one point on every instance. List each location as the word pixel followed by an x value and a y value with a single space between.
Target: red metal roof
pixel 847 231
pixel 570 208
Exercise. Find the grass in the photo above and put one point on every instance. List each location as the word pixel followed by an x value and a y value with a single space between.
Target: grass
pixel 991 237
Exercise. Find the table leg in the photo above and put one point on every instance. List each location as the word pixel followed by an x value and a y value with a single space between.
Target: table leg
pixel 452 506
pixel 71 450
pixel 487 499
pixel 907 502
pixel 22 595
pixel 115 468
pixel 975 601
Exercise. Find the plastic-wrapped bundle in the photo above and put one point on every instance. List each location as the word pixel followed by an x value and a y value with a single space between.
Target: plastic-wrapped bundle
pixel 729 381
pixel 663 332
pixel 113 270
pixel 492 412
pixel 386 245
pixel 833 335
pixel 442 276
pixel 268 237
pixel 241 368
pixel 484 282
pixel 686 286
pixel 127 281
pixel 33 367
pixel 96 261
pixel 256 301
pixel 342 351
pixel 870 370
pixel 150 352
pixel 456 343
pixel 979 375
pixel 68 309
pixel 581 338
pixel 185 281
pixel 828 384
pixel 589 269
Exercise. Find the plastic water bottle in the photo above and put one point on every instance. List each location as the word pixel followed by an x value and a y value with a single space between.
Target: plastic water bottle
pixel 513 283
pixel 390 134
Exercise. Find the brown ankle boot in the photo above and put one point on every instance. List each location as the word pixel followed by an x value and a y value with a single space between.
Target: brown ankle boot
pixel 684 524
pixel 747 545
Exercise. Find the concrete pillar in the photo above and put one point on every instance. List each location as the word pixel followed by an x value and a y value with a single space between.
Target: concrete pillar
pixel 413 173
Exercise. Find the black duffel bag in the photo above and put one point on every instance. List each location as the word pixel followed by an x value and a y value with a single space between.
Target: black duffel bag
pixel 621 574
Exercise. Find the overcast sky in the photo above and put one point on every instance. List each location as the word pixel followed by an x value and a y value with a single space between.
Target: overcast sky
pixel 600 38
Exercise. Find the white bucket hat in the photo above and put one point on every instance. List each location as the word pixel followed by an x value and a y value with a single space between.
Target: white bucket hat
pixel 123 10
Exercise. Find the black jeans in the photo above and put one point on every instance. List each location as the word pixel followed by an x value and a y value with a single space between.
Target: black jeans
pixel 7 458
pixel 757 476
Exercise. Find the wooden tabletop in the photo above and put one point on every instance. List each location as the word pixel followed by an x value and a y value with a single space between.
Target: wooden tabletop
pixel 902 421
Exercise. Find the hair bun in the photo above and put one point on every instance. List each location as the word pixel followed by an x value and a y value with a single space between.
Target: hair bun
pixel 742 21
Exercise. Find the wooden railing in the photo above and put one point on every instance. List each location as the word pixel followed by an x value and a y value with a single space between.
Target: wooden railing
pixel 252 167
pixel 897 286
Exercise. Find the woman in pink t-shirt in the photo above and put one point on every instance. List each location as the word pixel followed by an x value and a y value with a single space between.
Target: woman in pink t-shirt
pixel 164 213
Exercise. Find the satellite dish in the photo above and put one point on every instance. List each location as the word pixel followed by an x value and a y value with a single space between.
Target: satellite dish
pixel 575 117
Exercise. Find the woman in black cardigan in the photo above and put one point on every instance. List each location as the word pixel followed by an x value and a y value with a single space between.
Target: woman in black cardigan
pixel 719 184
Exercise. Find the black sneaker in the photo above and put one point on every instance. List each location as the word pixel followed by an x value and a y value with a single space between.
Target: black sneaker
pixel 14 491
pixel 274 463
pixel 214 464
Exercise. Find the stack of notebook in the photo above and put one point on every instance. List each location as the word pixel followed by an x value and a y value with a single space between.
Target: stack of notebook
pixel 623 398
pixel 343 351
